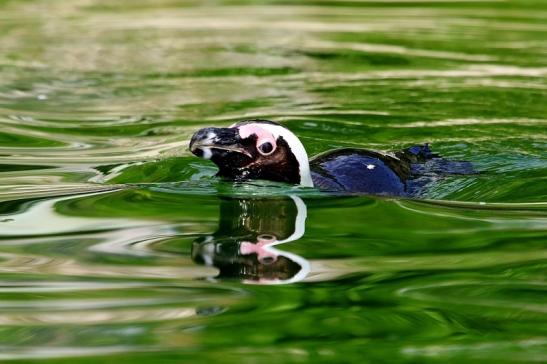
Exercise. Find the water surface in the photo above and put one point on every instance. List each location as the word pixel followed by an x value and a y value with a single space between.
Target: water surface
pixel 116 243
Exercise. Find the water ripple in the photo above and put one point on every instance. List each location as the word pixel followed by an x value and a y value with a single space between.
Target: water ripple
pixel 103 209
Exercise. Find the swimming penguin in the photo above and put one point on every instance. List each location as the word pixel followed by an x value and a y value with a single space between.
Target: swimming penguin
pixel 265 150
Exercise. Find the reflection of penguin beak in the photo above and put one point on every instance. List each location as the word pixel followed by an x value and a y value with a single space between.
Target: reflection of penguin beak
pixel 209 251
pixel 208 143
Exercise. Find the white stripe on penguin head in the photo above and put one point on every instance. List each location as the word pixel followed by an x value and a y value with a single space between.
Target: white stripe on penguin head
pixel 295 145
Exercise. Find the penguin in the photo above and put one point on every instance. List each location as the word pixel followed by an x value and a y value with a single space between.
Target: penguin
pixel 265 150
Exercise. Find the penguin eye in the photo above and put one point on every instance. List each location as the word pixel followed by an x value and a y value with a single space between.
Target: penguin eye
pixel 266 148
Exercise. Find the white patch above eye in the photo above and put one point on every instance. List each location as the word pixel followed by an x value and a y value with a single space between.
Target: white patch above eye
pixel 246 130
pixel 371 166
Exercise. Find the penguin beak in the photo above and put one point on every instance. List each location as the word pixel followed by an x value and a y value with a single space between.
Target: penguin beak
pixel 209 143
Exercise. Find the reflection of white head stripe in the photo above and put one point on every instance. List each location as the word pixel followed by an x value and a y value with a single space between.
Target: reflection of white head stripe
pixel 300 221
pixel 299 230
pixel 302 262
pixel 294 144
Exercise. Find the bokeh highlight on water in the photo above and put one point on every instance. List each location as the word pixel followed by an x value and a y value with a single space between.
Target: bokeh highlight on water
pixel 116 243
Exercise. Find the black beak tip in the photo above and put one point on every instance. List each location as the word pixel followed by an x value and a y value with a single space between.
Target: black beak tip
pixel 198 136
pixel 208 141
pixel 198 152
pixel 191 145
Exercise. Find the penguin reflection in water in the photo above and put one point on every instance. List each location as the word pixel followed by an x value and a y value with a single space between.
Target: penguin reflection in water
pixel 262 149
pixel 246 243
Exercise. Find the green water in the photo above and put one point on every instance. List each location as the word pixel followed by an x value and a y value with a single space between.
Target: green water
pixel 117 244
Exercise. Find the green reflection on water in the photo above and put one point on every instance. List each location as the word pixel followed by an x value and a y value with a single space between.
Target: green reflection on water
pixel 116 243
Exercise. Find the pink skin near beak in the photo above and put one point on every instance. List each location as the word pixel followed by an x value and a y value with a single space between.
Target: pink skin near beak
pixel 260 248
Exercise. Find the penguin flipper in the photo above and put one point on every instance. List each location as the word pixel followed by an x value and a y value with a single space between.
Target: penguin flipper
pixel 423 161
pixel 427 167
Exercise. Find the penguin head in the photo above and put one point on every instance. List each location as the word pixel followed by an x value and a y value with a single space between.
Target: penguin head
pixel 254 149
